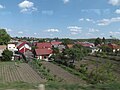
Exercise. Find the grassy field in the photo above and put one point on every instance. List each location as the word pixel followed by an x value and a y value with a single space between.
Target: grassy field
pixel 23 77
pixel 58 86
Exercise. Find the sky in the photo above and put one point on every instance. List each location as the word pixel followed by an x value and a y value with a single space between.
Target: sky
pixel 61 18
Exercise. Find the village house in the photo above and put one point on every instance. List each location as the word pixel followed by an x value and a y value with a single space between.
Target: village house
pixel 43 54
pixel 55 44
pixel 114 47
pixel 58 44
pixel 43 51
pixel 12 47
pixel 23 47
pixel 44 45
pixel 91 46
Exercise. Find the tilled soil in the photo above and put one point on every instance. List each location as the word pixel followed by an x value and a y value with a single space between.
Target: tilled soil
pixel 9 72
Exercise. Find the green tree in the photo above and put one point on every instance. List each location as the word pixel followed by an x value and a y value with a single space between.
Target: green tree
pixel 67 41
pixel 102 74
pixel 4 37
pixel 106 48
pixel 55 50
pixel 97 41
pixel 7 55
pixel 103 40
pixel 74 54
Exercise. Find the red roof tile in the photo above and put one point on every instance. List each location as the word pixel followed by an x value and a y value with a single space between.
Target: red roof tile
pixel 85 44
pixel 44 51
pixel 44 45
pixel 113 46
pixel 22 44
pixel 56 43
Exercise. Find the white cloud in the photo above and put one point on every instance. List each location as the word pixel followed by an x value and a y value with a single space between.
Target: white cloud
pixel 20 32
pixel 114 33
pixel 2 7
pixel 87 19
pixel 104 22
pixel 27 7
pixel 66 1
pixel 117 11
pixel 90 20
pixel 73 33
pixel 52 30
pixel 8 30
pixel 92 30
pixel 74 29
pixel 35 33
pixel 47 12
pixel 114 2
pixel 81 19
pixel 96 11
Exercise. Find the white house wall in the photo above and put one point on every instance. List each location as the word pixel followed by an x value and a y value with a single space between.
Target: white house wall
pixel 25 46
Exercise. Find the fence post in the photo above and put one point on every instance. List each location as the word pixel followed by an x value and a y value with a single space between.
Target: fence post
pixel 41 87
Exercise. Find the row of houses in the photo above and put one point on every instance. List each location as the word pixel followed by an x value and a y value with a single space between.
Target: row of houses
pixel 44 50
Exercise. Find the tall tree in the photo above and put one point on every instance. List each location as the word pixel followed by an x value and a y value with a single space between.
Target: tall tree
pixel 4 37
pixel 97 41
pixel 103 40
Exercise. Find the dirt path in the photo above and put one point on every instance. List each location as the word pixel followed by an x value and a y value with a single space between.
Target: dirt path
pixel 61 73
pixel 9 72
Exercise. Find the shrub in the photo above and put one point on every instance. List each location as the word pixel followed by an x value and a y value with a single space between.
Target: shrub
pixel 7 55
pixel 101 74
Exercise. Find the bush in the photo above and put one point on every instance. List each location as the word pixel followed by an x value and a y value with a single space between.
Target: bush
pixel 101 74
pixel 7 55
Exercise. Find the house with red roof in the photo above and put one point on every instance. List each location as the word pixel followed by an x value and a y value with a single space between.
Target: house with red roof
pixel 114 47
pixel 86 44
pixel 43 51
pixel 56 43
pixel 44 45
pixel 23 47
pixel 43 54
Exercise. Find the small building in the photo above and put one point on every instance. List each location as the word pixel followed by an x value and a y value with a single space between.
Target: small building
pixel 55 44
pixel 70 45
pixel 114 47
pixel 86 44
pixel 23 47
pixel 43 53
pixel 12 47
pixel 44 45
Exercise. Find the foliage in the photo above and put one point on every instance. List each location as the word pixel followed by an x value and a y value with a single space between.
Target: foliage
pixel 97 41
pixel 17 85
pixel 69 55
pixel 41 40
pixel 55 50
pixel 7 55
pixel 83 68
pixel 103 40
pixel 59 86
pixel 42 70
pixel 101 74
pixel 4 37
pixel 106 48
pixel 67 41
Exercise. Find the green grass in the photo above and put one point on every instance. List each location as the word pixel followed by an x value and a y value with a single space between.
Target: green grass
pixel 58 86
pixel 72 71
pixel 17 85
